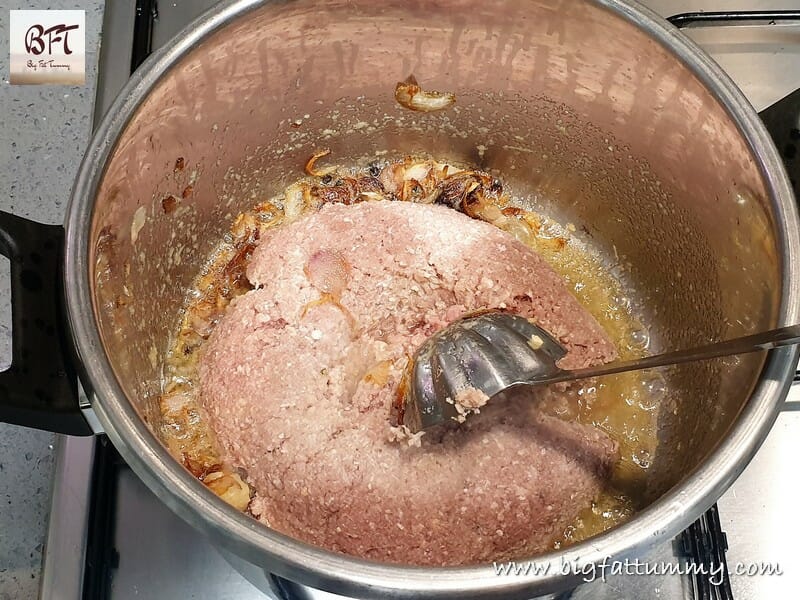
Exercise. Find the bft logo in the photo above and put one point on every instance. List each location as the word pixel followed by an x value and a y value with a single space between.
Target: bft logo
pixel 37 35
pixel 48 46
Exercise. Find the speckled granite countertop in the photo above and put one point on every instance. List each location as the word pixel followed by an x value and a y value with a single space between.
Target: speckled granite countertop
pixel 45 129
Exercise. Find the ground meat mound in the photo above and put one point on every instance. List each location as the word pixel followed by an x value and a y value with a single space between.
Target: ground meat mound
pixel 299 375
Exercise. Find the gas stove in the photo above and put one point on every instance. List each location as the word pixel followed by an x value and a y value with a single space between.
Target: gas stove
pixel 110 537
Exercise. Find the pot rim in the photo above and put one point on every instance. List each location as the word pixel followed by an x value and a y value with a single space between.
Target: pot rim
pixel 341 574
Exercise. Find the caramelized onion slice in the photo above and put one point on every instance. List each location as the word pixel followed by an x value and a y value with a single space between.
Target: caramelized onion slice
pixel 311 168
pixel 229 487
pixel 409 94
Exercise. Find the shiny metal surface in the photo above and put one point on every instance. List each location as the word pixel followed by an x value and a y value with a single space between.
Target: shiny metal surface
pixel 490 353
pixel 758 58
pixel 114 66
pixel 746 53
pixel 147 569
pixel 759 512
pixel 694 145
pixel 67 530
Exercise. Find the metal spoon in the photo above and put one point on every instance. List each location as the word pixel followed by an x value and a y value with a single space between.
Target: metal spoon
pixel 494 351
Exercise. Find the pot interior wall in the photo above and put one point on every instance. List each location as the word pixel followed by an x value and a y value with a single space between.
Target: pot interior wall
pixel 587 118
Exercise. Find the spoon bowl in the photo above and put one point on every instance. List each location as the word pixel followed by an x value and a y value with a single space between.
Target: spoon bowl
pixel 460 368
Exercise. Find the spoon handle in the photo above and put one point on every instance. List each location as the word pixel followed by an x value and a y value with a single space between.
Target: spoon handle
pixel 766 340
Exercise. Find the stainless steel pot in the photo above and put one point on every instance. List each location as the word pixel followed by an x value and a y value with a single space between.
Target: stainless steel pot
pixel 606 115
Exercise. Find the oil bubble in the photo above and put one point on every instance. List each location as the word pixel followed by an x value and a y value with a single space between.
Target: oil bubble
pixel 640 338
pixel 655 388
pixel 641 458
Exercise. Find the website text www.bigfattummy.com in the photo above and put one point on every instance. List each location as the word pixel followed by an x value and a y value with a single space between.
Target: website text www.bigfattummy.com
pixel 601 570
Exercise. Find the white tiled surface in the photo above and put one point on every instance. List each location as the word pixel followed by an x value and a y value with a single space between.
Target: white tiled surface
pixel 43 133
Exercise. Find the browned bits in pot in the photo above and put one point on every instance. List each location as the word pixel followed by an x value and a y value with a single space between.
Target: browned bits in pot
pixel 235 270
pixel 471 193
pixel 512 211
pixel 473 205
pixel 474 193
pixel 454 190
pixel 349 190
pixel 410 95
pixel 169 204
pixel 187 191
pixel 369 184
pixel 412 191
pixel 344 191
pixel 204 318
pixel 179 164
pixel 555 243
pixel 268 214
pixel 197 467
pixel 106 240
